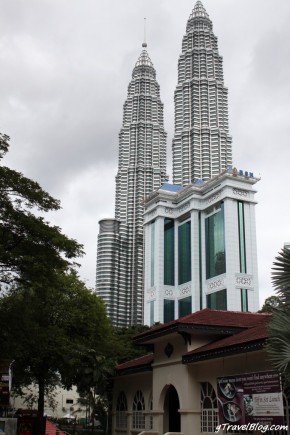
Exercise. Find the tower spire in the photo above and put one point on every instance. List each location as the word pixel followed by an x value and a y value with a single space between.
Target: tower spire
pixel 144 45
pixel 144 58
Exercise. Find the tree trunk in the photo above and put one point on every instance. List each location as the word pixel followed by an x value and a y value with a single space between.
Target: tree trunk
pixel 40 402
pixel 41 420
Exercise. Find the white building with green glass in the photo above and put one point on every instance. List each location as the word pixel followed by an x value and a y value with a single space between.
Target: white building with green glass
pixel 200 247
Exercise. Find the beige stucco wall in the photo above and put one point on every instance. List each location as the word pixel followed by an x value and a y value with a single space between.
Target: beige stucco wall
pixel 186 379
pixel 61 399
pixel 171 371
pixel 130 384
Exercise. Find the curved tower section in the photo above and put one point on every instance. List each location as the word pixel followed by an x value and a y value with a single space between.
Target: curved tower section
pixel 142 144
pixel 141 170
pixel 108 265
pixel 202 144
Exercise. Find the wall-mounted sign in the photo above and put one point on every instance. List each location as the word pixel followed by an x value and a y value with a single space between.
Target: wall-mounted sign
pixel 4 389
pixel 29 422
pixel 251 398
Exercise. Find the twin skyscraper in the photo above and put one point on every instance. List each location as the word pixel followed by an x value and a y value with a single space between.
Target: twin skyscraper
pixel 201 150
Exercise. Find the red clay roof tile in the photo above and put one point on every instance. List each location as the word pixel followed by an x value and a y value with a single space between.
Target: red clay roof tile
pixel 137 362
pixel 255 333
pixel 250 327
pixel 208 317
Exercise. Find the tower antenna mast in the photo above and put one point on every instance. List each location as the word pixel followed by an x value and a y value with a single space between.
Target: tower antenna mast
pixel 144 43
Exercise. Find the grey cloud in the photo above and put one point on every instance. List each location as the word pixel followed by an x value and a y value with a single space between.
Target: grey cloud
pixel 65 68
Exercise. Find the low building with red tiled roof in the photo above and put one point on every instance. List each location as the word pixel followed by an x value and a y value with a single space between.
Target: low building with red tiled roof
pixel 174 388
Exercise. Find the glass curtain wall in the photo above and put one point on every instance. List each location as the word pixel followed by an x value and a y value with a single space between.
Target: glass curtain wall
pixel 168 251
pixel 215 244
pixel 168 310
pixel 242 249
pixel 184 253
pixel 151 313
pixel 184 306
pixel 217 300
pixel 152 253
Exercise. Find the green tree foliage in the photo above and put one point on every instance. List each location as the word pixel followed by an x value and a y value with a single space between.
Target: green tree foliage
pixel 94 377
pixel 50 323
pixel 270 304
pixel 52 326
pixel 94 382
pixel 124 348
pixel 50 331
pixel 279 329
pixel 29 247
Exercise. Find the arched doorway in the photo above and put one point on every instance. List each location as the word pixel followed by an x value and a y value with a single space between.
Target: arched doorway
pixel 171 414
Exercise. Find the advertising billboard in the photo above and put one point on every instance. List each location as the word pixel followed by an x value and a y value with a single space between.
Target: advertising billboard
pixel 251 398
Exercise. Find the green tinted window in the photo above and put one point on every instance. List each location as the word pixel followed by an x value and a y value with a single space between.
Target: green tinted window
pixel 168 251
pixel 215 244
pixel 184 306
pixel 151 313
pixel 168 310
pixel 244 300
pixel 184 253
pixel 152 253
pixel 242 245
pixel 217 300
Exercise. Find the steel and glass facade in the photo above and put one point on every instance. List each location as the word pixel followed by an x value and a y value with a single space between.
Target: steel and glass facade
pixel 204 250
pixel 200 251
pixel 202 145
pixel 169 244
pixel 184 252
pixel 215 243
pixel 141 170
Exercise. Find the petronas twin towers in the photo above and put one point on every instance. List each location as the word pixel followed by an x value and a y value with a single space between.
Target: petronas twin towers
pixel 201 145
pixel 201 149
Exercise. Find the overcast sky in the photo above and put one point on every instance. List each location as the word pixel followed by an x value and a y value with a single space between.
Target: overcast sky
pixel 64 70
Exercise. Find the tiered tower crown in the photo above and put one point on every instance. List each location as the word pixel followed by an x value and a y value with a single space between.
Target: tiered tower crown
pixel 144 59
pixel 198 16
pixel 198 11
pixel 202 144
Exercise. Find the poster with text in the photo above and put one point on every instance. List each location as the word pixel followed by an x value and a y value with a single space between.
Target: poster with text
pixel 251 398
pixel 4 389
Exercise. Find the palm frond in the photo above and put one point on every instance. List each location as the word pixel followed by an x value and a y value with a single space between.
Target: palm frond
pixel 278 346
pixel 281 274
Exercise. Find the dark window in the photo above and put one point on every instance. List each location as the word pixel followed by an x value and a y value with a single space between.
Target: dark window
pixel 184 306
pixel 184 253
pixel 244 300
pixel 215 244
pixel 168 310
pixel 152 254
pixel 242 244
pixel 242 248
pixel 138 411
pixel 121 411
pixel 217 300
pixel 168 251
pixel 151 313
